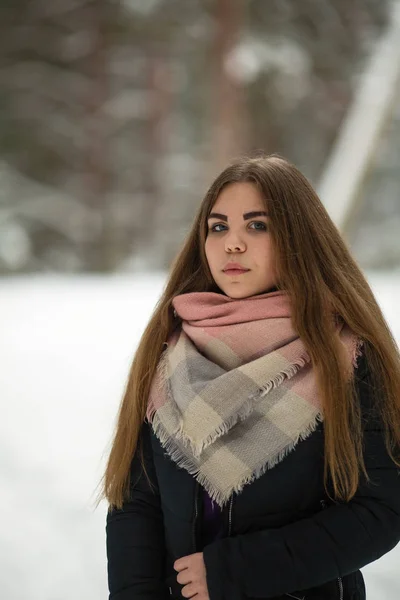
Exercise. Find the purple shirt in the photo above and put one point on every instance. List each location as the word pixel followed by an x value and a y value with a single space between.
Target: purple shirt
pixel 212 520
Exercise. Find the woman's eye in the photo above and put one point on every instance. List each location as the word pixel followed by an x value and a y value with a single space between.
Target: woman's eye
pixel 217 227
pixel 258 225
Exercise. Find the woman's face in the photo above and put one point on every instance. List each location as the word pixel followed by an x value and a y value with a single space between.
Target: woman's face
pixel 238 246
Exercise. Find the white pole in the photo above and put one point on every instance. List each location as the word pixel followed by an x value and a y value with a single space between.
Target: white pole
pixel 362 127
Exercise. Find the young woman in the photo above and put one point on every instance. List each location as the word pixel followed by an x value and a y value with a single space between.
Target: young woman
pixel 256 452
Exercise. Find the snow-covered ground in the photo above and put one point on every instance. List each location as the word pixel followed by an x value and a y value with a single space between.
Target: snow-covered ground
pixel 65 349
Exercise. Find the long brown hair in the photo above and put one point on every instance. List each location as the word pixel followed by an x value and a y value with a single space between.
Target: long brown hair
pixel 320 276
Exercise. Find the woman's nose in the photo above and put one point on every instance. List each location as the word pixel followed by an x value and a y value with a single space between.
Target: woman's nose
pixel 234 244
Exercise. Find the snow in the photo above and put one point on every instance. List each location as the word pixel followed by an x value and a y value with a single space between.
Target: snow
pixel 65 349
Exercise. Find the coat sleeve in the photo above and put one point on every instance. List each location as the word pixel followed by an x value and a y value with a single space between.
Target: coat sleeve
pixel 310 552
pixel 135 535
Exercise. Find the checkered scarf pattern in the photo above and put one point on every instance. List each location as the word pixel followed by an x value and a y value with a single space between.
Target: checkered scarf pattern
pixel 235 391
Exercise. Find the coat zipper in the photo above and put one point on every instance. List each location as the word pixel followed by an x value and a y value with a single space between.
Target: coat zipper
pixel 339 579
pixel 230 517
pixel 196 514
pixel 340 583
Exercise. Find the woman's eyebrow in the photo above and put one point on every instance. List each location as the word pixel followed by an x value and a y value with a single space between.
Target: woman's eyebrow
pixel 254 213
pixel 246 216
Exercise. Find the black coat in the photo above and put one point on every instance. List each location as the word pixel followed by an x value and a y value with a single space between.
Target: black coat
pixel 283 537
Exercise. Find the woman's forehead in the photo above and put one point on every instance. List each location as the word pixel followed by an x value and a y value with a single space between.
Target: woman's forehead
pixel 239 196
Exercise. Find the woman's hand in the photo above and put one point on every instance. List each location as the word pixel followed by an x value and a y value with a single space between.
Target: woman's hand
pixel 192 574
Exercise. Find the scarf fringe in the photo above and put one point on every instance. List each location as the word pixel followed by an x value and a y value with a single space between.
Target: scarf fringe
pixel 358 345
pixel 273 460
pixel 174 452
pixel 218 496
pixel 285 374
pixel 198 447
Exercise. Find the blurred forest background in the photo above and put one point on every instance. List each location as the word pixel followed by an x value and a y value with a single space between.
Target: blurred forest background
pixel 116 114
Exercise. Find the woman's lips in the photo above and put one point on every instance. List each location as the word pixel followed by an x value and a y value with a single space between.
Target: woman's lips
pixel 236 271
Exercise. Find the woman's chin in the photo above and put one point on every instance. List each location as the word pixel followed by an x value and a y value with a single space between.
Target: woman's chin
pixel 236 291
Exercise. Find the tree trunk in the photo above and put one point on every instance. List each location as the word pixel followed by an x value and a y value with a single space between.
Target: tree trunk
pixel 228 98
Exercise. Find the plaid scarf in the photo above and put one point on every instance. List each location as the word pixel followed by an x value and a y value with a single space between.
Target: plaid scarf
pixel 235 391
